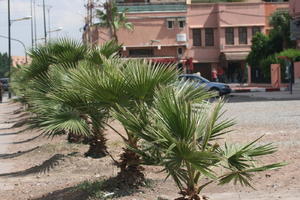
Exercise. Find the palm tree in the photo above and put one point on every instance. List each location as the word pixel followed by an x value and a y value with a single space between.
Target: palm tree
pixel 182 133
pixel 58 107
pixel 111 18
pixel 121 84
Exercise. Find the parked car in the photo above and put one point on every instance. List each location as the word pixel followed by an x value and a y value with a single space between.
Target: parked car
pixel 221 88
pixel 4 82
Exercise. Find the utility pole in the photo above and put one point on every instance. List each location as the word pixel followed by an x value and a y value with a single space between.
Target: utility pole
pixel 34 24
pixel 90 7
pixel 45 29
pixel 49 26
pixel 31 22
pixel 9 48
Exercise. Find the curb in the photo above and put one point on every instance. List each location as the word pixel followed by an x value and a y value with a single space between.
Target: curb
pixel 239 90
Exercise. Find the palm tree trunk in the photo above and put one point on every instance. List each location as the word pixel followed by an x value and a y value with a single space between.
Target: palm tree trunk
pixel 115 36
pixel 97 142
pixel 131 170
pixel 74 138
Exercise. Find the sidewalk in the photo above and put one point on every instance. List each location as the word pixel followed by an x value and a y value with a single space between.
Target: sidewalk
pixel 5 109
pixel 236 88
pixel 275 95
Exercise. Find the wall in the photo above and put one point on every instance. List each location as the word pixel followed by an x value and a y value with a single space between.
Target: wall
pixel 294 8
pixel 166 1
pixel 297 71
pixel 154 28
pixel 241 14
pixel 270 8
pixel 220 16
pixel 163 52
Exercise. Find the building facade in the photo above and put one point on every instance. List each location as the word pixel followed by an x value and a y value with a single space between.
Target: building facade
pixel 203 37
pixel 294 9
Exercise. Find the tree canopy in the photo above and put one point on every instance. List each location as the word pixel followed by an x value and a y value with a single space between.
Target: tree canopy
pixel 264 47
pixel 4 65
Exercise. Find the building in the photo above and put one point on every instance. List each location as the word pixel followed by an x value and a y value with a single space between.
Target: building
pixel 294 9
pixel 20 60
pixel 203 37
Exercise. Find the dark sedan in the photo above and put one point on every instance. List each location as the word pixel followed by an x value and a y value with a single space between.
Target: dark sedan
pixel 4 82
pixel 221 88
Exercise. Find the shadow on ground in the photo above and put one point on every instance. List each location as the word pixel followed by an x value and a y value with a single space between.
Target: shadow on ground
pixel 100 189
pixel 28 140
pixel 45 167
pixel 17 154
pixel 70 193
pixel 14 133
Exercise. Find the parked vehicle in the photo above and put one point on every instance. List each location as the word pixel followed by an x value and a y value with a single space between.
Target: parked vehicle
pixel 4 82
pixel 221 88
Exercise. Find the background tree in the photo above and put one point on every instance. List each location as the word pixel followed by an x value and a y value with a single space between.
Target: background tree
pixel 280 21
pixel 113 19
pixel 4 65
pixel 264 47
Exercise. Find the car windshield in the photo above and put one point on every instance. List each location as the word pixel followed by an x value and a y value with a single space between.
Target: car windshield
pixel 194 78
pixel 204 79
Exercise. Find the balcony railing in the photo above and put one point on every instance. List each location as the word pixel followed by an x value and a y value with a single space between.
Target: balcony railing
pixel 148 7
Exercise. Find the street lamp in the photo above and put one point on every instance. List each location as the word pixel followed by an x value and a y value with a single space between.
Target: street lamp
pixel 55 30
pixel 9 38
pixel 48 7
pixel 20 19
pixel 2 36
pixel 51 31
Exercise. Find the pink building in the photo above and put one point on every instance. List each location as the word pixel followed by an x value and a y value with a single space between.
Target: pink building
pixel 212 36
pixel 295 13
pixel 294 9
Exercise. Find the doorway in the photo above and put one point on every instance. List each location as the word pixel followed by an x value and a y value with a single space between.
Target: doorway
pixel 234 72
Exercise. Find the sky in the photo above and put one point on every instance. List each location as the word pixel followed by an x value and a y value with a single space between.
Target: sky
pixel 68 14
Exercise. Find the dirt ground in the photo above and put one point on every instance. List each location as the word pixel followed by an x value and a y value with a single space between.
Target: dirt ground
pixel 35 167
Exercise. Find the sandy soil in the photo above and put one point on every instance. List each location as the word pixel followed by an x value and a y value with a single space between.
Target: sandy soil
pixel 35 167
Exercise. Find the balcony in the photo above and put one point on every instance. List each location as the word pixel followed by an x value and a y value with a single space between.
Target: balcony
pixel 148 7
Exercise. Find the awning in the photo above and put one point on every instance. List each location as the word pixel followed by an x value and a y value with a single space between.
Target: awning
pixel 236 56
pixel 164 60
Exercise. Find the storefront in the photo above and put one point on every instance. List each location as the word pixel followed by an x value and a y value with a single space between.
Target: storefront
pixel 233 67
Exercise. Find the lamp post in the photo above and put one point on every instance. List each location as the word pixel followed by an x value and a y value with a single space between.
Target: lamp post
pixel 19 41
pixel 45 29
pixel 51 31
pixel 9 39
pixel 48 7
pixel 55 30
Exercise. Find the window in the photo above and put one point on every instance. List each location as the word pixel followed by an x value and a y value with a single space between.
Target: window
pixel 209 37
pixel 170 24
pixel 229 36
pixel 255 29
pixel 181 24
pixel 141 52
pixel 179 51
pixel 197 37
pixel 243 35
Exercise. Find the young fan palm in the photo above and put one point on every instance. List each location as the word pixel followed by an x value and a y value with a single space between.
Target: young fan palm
pixel 124 84
pixel 181 135
pixel 59 108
